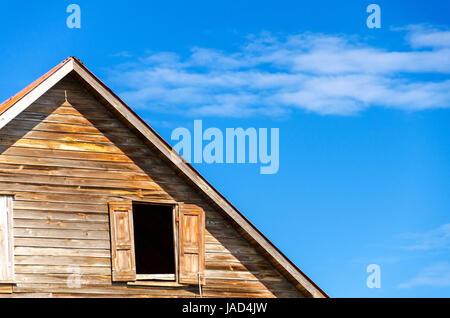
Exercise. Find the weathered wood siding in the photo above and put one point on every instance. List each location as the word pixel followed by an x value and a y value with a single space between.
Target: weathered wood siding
pixel 63 164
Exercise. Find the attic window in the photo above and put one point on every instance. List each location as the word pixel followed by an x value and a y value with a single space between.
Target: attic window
pixel 166 242
pixel 154 242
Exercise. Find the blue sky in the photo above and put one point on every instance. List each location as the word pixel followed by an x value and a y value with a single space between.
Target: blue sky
pixel 363 116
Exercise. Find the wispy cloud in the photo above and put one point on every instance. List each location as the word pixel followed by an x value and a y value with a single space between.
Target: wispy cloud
pixel 436 239
pixel 437 275
pixel 426 36
pixel 271 76
pixel 125 54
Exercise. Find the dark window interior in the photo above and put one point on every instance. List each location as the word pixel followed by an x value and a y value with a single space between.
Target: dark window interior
pixel 153 237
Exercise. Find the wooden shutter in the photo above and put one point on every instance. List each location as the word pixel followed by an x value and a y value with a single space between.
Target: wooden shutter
pixel 191 244
pixel 122 241
pixel 6 240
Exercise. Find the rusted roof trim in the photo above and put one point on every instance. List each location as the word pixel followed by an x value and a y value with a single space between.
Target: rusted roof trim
pixel 14 99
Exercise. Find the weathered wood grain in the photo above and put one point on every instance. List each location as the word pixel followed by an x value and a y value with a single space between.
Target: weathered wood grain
pixel 64 164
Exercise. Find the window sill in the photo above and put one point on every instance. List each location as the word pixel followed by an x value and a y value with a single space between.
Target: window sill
pixel 148 283
pixel 161 277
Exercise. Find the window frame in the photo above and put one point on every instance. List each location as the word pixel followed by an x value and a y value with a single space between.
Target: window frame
pixel 158 278
pixel 123 267
pixel 9 205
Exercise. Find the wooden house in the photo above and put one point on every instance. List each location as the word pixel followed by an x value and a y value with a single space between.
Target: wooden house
pixel 94 203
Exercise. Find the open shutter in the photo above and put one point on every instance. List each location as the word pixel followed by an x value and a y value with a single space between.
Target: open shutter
pixel 122 241
pixel 191 244
pixel 6 240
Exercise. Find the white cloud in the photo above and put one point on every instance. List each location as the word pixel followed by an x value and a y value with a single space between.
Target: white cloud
pixel 426 36
pixel 436 239
pixel 271 76
pixel 437 275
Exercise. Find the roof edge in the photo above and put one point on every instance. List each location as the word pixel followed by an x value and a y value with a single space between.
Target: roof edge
pixel 21 94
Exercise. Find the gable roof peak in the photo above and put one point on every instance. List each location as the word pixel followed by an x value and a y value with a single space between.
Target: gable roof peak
pixel 19 102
